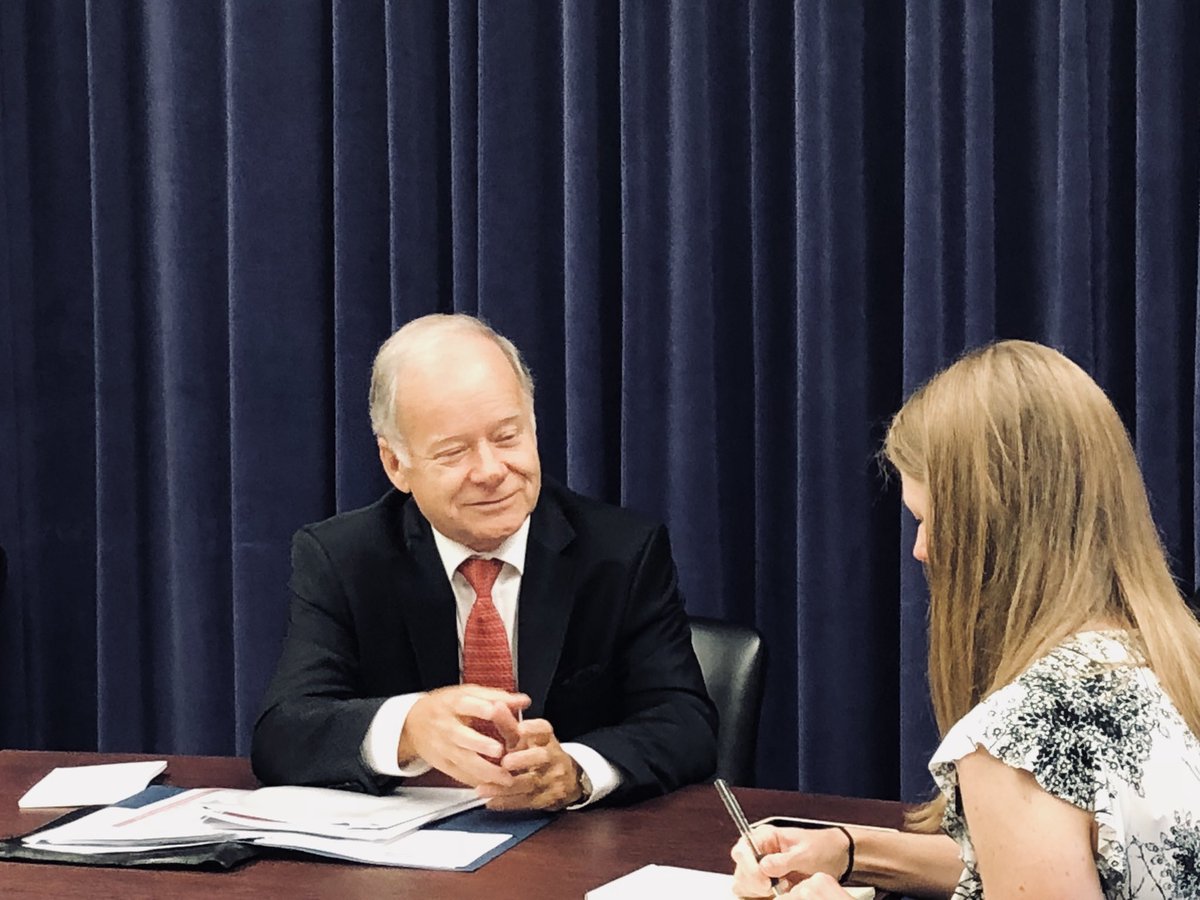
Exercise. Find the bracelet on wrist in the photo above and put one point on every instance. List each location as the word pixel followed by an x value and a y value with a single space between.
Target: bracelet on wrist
pixel 849 854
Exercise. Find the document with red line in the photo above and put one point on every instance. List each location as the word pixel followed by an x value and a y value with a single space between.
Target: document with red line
pixel 177 821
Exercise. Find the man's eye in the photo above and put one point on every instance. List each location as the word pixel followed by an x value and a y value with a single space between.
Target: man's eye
pixel 450 454
pixel 507 437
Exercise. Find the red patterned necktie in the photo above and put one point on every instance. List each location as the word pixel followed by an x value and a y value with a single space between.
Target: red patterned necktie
pixel 487 659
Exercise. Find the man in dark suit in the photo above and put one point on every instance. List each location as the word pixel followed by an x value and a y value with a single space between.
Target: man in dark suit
pixel 413 620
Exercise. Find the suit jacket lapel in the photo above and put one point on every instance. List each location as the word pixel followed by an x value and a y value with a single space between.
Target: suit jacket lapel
pixel 545 603
pixel 427 601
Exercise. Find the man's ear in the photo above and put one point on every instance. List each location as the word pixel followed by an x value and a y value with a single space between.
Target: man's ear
pixel 395 471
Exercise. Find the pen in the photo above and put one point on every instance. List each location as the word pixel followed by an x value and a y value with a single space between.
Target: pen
pixel 739 819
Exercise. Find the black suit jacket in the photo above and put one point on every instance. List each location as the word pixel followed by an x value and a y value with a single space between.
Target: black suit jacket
pixel 604 648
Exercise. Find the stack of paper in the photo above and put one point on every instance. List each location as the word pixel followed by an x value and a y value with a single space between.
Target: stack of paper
pixel 323 812
pixel 379 830
pixel 176 821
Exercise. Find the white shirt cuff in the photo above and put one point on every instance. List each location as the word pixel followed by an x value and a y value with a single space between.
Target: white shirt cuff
pixel 383 739
pixel 604 777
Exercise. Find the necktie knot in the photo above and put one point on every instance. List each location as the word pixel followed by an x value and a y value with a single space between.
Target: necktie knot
pixel 481 574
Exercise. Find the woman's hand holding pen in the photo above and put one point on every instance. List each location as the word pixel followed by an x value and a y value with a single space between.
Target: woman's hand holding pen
pixel 790 855
pixel 818 887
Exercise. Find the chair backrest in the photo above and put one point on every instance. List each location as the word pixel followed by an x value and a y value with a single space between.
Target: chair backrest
pixel 733 659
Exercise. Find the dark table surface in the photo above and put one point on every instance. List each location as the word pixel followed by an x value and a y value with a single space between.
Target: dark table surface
pixel 575 853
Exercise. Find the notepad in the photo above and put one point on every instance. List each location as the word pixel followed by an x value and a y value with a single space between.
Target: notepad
pixel 91 785
pixel 654 882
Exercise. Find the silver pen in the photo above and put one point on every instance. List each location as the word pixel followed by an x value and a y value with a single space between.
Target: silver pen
pixel 739 819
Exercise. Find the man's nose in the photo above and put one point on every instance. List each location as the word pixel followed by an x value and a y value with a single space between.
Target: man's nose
pixel 488 465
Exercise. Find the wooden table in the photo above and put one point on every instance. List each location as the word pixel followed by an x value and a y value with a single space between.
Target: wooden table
pixel 575 853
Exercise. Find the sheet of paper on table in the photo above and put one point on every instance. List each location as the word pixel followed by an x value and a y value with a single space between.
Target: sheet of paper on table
pixel 440 849
pixel 91 785
pixel 653 882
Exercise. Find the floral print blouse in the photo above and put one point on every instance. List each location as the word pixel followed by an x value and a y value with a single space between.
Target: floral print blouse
pixel 1094 727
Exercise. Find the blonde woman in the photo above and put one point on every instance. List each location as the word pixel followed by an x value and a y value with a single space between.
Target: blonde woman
pixel 1064 667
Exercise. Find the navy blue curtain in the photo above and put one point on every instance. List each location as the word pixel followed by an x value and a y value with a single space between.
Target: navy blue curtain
pixel 728 236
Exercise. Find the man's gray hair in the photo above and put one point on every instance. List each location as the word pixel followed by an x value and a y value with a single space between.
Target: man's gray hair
pixel 414 338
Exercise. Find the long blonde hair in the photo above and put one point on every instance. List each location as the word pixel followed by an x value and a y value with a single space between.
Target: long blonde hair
pixel 1038 524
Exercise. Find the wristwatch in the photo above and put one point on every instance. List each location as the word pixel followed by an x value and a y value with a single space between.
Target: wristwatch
pixel 585 785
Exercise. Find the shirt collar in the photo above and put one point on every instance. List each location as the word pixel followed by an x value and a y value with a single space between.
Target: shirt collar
pixel 512 551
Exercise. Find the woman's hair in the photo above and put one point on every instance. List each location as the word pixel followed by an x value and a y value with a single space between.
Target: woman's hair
pixel 1038 525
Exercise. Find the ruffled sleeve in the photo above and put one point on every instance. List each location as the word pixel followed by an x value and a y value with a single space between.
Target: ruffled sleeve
pixel 1077 733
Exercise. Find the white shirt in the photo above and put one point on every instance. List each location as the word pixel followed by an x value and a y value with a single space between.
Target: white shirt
pixel 383 737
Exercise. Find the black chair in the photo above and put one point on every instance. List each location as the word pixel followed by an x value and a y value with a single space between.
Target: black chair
pixel 733 659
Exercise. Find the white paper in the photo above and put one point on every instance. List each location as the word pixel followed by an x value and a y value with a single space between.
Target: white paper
pixel 378 830
pixel 419 850
pixel 91 785
pixel 658 882
pixel 174 821
pixel 324 812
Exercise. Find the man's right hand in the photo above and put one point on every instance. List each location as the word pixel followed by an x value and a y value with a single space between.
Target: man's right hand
pixel 438 730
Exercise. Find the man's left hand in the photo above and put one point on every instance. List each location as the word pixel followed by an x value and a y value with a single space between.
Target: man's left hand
pixel 545 775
